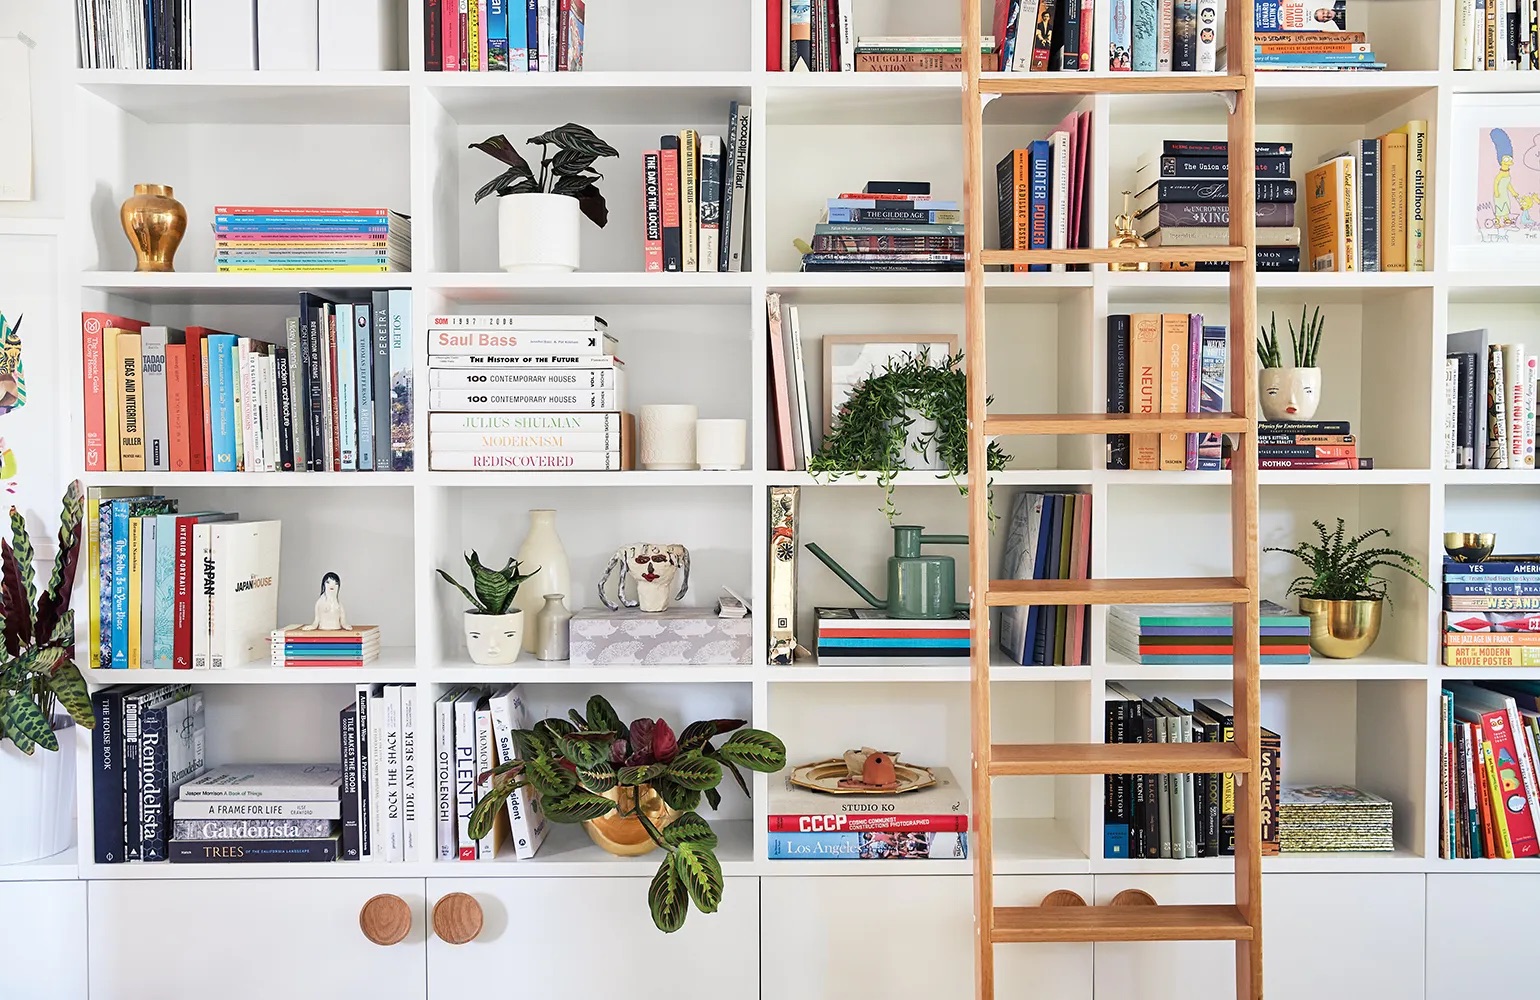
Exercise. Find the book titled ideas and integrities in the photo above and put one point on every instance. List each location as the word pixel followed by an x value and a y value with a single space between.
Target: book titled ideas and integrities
pixel 929 823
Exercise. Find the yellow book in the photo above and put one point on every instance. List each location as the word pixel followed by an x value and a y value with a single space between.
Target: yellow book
pixel 236 396
pixel 1173 387
pixel 93 579
pixel 135 580
pixel 1416 132
pixel 130 411
pixel 112 396
pixel 1144 387
pixel 1393 201
pixel 1329 215
pixel 689 196
pixel 1499 812
pixel 473 37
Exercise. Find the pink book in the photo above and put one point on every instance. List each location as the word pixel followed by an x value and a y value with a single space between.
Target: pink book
pixel 481 36
pixel 780 395
pixel 1079 569
pixel 1071 126
pixel 1194 380
pixel 451 35
pixel 1082 167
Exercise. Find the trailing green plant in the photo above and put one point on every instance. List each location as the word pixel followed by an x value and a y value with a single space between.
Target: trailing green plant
pixel 38 676
pixel 871 429
pixel 573 762
pixel 1306 341
pixel 495 588
pixel 567 157
pixel 1339 568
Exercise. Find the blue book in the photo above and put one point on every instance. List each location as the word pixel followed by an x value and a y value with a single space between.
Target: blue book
pixel 222 400
pixel 1040 160
pixel 123 511
pixel 912 643
pixel 1267 658
pixel 875 846
pixel 1039 567
pixel 1120 40
pixel 103 609
pixel 518 42
pixel 1501 578
pixel 497 34
pixel 1530 588
pixel 400 380
pixel 1115 840
pixel 1491 566
pixel 290 229
pixel 363 355
pixel 295 221
pixel 1145 28
pixel 1316 59
pixel 322 647
pixel 532 35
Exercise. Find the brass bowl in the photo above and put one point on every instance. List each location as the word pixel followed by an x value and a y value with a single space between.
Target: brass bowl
pixel 1469 546
pixel 1342 630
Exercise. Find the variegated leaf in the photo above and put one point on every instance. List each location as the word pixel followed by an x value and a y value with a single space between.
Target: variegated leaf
pixel 667 898
pixel 549 778
pixel 485 813
pixel 756 750
pixel 698 868
pixel 598 777
pixel 554 729
pixel 23 742
pixel 585 749
pixel 62 580
pixel 693 770
pixel 70 688
pixel 690 829
pixel 529 743
pixel 696 734
pixel 576 138
pixel 575 807
pixel 22 714
pixel 40 660
pixel 641 774
pixel 677 796
pixel 21 544
pixel 603 718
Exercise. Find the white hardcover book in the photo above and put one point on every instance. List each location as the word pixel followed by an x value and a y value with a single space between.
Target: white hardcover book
pixel 533 379
pixel 203 595
pixel 288 34
pixel 526 824
pixel 255 809
pixel 1059 196
pixel 274 435
pixel 486 847
pixel 379 826
pixel 390 765
pixel 152 398
pixel 357 35
pixel 710 187
pixel 1451 413
pixel 1026 23
pixel 516 362
pixel 224 35
pixel 347 388
pixel 1531 370
pixel 1163 793
pixel 504 322
pixel 460 340
pixel 798 376
pixel 519 399
pixel 1189 802
pixel 1515 403
pixel 444 813
pixel 533 442
pixel 409 840
pixel 465 772
pixel 847 36
pixel 546 61
pixel 524 461
pixel 1496 412
pixel 245 612
pixel 279 782
pixel 1208 41
pixel 736 171
pixel 1464 34
pixel 148 560
pixel 1019 559
pixel 267 415
pixel 524 423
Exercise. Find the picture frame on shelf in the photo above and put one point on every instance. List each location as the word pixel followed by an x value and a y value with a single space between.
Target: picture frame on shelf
pixel 1495 183
pixel 848 358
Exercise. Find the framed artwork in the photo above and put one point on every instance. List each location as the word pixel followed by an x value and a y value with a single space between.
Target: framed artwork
pixel 849 358
pixel 1496 215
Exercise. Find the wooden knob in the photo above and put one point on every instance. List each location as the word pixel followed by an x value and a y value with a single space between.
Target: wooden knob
pixel 1133 897
pixel 386 919
pixel 457 918
pixel 1063 897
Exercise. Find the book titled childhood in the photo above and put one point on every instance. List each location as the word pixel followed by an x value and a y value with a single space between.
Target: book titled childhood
pixel 279 782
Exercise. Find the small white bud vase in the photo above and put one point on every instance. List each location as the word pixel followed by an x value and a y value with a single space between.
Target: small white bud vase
pixel 721 445
pixel 552 635
pixel 494 640
pixel 1289 393
pixel 668 437
pixel 538 233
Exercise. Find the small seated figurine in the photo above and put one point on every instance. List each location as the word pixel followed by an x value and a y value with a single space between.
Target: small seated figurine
pixel 330 616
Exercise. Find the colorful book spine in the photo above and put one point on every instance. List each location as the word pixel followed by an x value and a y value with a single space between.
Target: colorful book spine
pixel 1041 181
pixel 1173 386
pixel 916 846
pixel 1118 373
pixel 401 388
pixel 278 851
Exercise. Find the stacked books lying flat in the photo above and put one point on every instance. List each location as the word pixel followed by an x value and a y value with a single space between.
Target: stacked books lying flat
pixel 298 646
pixel 1165 363
pixel 1366 205
pixel 1329 818
pixel 500 36
pixel 1202 633
pixel 1048 538
pixel 1343 51
pixel 475 730
pixel 869 637
pixel 1489 799
pixel 887 226
pixel 695 198
pixel 525 393
pixel 147 742
pixel 928 824
pixel 251 239
pixel 1042 192
pixel 1181 200
pixel 218 837
pixel 1489 403
pixel 1308 444
pixel 1492 612
pixel 914 54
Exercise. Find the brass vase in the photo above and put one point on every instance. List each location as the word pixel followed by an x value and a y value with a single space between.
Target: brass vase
pixel 155 223
pixel 624 836
pixel 1342 630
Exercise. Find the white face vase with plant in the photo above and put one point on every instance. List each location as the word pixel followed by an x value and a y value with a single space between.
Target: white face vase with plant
pixel 1291 393
pixel 494 630
pixel 538 215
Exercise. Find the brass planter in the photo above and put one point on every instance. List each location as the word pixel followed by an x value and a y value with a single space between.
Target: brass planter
pixel 155 223
pixel 624 836
pixel 1342 630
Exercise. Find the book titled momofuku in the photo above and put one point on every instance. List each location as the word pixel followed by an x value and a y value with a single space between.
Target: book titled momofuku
pixel 279 782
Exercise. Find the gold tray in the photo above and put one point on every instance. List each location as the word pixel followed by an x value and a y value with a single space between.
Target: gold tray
pixel 825 776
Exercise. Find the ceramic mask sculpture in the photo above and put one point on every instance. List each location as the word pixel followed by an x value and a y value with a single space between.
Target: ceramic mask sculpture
pixel 660 575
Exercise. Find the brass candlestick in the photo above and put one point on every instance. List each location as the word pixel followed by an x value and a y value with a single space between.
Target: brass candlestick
pixel 1125 235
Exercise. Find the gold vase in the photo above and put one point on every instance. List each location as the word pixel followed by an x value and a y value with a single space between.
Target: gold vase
pixel 1342 630
pixel 625 836
pixel 155 223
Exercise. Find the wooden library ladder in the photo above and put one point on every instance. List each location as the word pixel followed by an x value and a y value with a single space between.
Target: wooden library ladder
pixel 1240 921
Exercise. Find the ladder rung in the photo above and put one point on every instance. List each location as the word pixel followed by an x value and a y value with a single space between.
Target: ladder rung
pixel 1190 590
pixel 1025 924
pixel 1119 83
pixel 1020 759
pixel 1012 424
pixel 1117 255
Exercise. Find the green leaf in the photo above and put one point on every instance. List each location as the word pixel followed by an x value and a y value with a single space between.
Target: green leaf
pixel 667 898
pixel 598 777
pixel 40 659
pixel 586 749
pixel 696 734
pixel 63 633
pixel 677 796
pixel 21 544
pixel 62 580
pixel 494 589
pixel 70 688
pixel 23 742
pixel 602 717
pixel 693 770
pixel 575 807
pixel 713 798
pixel 552 730
pixel 733 770
pixel 756 750
pixel 529 744
pixel 474 602
pixel 641 774
pixel 21 714
pixel 690 829
pixel 485 813
pixel 549 778
pixel 698 868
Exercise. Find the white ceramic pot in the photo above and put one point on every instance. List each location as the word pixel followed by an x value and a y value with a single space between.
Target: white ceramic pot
pixel 542 548
pixel 668 437
pixel 1289 393
pixel 39 796
pixel 916 454
pixel 494 640
pixel 721 445
pixel 538 233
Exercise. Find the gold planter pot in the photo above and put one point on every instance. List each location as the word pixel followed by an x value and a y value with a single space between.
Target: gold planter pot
pixel 155 223
pixel 1342 629
pixel 625 836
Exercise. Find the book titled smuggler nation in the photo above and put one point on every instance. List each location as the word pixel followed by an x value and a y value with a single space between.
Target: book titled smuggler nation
pixel 281 782
pixel 252 851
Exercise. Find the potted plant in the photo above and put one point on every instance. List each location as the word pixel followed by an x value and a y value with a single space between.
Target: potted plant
pixel 1291 393
pixel 494 634
pixel 911 414
pixel 1342 593
pixel 42 693
pixel 636 788
pixel 537 217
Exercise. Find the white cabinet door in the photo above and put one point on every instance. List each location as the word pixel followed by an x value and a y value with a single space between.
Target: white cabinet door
pixel 1168 970
pixel 906 937
pixel 40 949
pixel 249 939
pixel 1481 934
pixel 538 933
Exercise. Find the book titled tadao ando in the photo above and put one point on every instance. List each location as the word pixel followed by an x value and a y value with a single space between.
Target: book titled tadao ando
pixel 281 782
pixel 945 797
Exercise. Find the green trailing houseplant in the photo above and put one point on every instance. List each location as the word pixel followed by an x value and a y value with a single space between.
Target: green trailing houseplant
pixel 872 430
pixel 495 588
pixel 1340 568
pixel 567 158
pixel 575 763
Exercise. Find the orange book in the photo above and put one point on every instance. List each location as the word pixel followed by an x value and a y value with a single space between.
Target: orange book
pixel 130 413
pixel 1173 387
pixel 1329 215
pixel 1021 224
pixel 1144 449
pixel 1393 232
pixel 176 407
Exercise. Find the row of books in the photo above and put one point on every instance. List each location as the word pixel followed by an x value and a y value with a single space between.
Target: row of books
pixel 1492 35
pixel 475 733
pixel 528 393
pixel 1309 444
pixel 173 590
pixel 1172 37
pixel 1165 363
pixel 792 443
pixel 928 824
pixel 1043 192
pixel 264 239
pixel 130 34
pixel 1048 538
pixel 302 646
pixel 1489 403
pixel 1489 788
pixel 695 191
pixel 866 636
pixel 147 742
pixel 819 36
pixel 1492 612
pixel 503 36
pixel 1367 206
pixel 1202 633
pixel 334 394
pixel 886 226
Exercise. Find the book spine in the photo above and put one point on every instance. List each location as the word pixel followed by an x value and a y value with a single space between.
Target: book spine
pixel 689 198
pixel 1208 36
pixel 526 461
pixel 444 779
pixel 1217 191
pixel 410 849
pixel 465 776
pixel 1059 200
pixel 257 829
pixel 1163 43
pixel 107 829
pixel 1146 35
pixel 253 851
pixel 1517 824
pixel 653 239
pixel 379 825
pixel 1173 386
pixel 868 847
pixel 130 412
pixel 844 823
pixel 495 399
pixel 390 760
pixel 347 388
pixel 294 356
pixel 285 410
pixel 135 581
pixel 1183 166
pixel 1167 214
pixel 94 384
pixel 119 591
pixel 133 710
pixel 451 36
pixel 402 391
pixel 152 374
pixel 433 35
pixel 222 402
pixel 348 734
pixel 1194 382
pixel 1215 364
pixel 1417 194
pixel 368 846
pixel 154 818
pixel 1491 589
pixel 1119 36
pixel 182 598
pixel 1184 36
pixel 1118 372
pixel 545 380
pixel 669 186
pixel 379 379
pixel 1145 335
pixel 1042 35
pixel 332 411
pixel 497 35
pixel 363 362
pixel 1041 183
pixel 1069 36
pixel 216 570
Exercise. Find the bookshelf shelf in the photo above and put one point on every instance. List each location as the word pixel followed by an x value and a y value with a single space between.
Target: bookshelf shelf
pixel 203 97
pixel 259 480
pixel 597 287
pixel 531 671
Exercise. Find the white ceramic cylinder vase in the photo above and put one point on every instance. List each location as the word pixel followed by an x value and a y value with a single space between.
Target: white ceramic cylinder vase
pixel 668 437
pixel 920 451
pixel 721 445
pixel 542 548
pixel 1289 393
pixel 39 795
pixel 494 640
pixel 538 233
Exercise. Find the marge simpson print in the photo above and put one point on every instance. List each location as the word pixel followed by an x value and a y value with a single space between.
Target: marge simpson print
pixel 1507 208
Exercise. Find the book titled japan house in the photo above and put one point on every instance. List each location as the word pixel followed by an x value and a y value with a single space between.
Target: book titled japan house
pixel 244 558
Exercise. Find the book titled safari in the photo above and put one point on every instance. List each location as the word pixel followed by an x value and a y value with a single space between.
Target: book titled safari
pixel 253 851
pixel 870 846
pixel 280 782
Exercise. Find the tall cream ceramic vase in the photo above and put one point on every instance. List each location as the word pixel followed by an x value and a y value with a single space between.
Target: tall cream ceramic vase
pixel 39 797
pixel 541 548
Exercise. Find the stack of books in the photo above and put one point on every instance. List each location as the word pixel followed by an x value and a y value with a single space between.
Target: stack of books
pixel 1149 37
pixel 1330 818
pixel 1489 403
pixel 1489 798
pixel 910 54
pixel 1504 40
pixel 887 226
pixel 1181 200
pixel 503 36
pixel 1202 633
pixel 297 646
pixel 250 240
pixel 1165 363
pixel 475 730
pixel 867 636
pixel 695 191
pixel 136 35
pixel 928 824
pixel 1366 206
pixel 1309 35
pixel 147 742
pixel 1309 444
pixel 1492 612
pixel 1043 200
pixel 239 813
pixel 1048 538
pixel 527 393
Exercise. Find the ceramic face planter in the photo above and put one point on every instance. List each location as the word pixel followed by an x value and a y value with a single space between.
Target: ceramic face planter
pixel 660 575
pixel 1290 393
pixel 494 640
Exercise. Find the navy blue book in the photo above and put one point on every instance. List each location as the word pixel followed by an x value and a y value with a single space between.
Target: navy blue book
pixel 235 851
pixel 108 837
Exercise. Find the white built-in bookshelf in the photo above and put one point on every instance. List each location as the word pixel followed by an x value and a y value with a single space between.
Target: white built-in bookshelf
pixel 1335 925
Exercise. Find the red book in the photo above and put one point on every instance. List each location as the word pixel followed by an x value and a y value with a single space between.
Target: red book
pixel 331 362
pixel 1002 22
pixel 652 206
pixel 825 628
pixel 1087 16
pixel 773 40
pixel 92 326
pixel 181 596
pixel 176 407
pixel 198 347
pixel 323 663
pixel 832 23
pixel 1307 463
pixel 1484 796
pixel 563 11
pixel 874 824
pixel 1521 825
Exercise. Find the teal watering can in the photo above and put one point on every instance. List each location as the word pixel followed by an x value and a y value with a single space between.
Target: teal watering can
pixel 919 586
